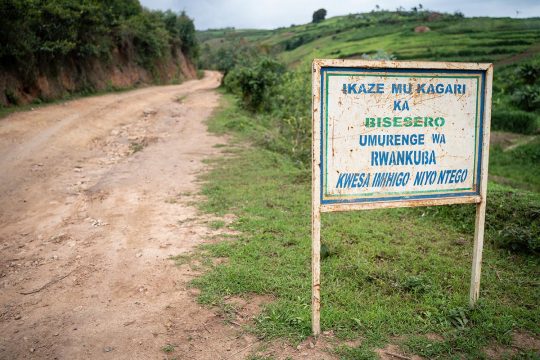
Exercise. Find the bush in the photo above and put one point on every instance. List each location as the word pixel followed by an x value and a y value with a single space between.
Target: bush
pixel 529 73
pixel 149 36
pixel 517 98
pixel 186 33
pixel 528 153
pixel 284 97
pixel 297 41
pixel 291 107
pixel 527 97
pixel 255 84
pixel 514 120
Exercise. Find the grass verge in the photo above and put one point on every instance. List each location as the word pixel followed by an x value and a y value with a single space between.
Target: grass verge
pixel 388 276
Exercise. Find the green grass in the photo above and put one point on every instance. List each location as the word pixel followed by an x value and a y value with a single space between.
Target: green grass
pixel 518 167
pixel 216 224
pixel 392 276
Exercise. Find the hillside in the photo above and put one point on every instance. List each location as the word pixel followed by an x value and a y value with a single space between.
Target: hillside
pixel 445 38
pixel 51 49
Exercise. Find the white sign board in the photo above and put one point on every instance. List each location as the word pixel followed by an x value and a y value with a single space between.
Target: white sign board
pixel 394 134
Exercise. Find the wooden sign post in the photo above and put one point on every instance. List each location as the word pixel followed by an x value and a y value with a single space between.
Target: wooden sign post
pixel 398 134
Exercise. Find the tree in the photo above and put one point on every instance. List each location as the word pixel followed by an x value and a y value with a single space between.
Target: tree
pixel 186 30
pixel 319 15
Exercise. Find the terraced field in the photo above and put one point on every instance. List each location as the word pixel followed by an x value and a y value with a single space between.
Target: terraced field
pixel 450 38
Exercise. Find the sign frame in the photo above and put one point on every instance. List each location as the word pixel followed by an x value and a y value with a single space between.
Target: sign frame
pixel 477 197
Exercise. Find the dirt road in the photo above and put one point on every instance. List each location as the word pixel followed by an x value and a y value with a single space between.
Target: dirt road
pixel 95 196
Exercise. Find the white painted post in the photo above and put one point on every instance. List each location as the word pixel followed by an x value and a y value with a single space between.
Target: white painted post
pixel 316 208
pixel 316 270
pixel 481 207
pixel 477 251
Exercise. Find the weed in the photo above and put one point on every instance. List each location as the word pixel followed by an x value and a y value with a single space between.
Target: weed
pixel 415 284
pixel 136 147
pixel 169 348
pixel 459 318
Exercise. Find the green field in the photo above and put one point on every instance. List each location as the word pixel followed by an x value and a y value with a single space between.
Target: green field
pixel 397 276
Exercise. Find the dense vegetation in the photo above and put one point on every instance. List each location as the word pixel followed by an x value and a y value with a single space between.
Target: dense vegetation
pixel 42 33
pixel 405 279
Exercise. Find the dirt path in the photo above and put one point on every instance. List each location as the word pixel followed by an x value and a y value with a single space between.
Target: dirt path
pixel 95 196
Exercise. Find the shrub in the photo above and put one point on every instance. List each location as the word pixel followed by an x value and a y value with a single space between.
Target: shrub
pixel 291 106
pixel 379 55
pixel 285 98
pixel 186 32
pixel 255 84
pixel 529 73
pixel 297 41
pixel 527 97
pixel 150 37
pixel 517 98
